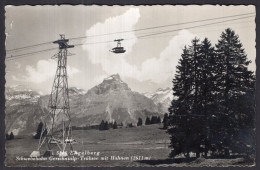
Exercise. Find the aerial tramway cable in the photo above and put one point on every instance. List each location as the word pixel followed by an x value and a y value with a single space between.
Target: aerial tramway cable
pixel 134 30
pixel 141 36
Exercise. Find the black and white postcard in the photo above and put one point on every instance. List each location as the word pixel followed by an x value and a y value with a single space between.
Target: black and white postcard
pixel 90 86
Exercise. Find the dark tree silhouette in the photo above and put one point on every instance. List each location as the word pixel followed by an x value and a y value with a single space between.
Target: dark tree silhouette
pixel 158 119
pixel 165 121
pixel 102 125
pixel 185 117
pixel 11 136
pixel 130 125
pixel 39 131
pixel 115 125
pixel 140 122
pixel 154 120
pixel 236 87
pixel 147 121
pixel 214 109
pixel 106 126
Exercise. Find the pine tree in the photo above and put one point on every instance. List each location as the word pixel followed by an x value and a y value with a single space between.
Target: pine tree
pixel 180 108
pixel 102 125
pixel 236 83
pixel 39 131
pixel 110 125
pixel 188 116
pixel 106 126
pixel 11 136
pixel 147 121
pixel 208 91
pixel 140 122
pixel 153 120
pixel 158 119
pixel 215 99
pixel 115 125
pixel 165 121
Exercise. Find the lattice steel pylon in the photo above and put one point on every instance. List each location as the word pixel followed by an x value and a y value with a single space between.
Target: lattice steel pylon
pixel 57 124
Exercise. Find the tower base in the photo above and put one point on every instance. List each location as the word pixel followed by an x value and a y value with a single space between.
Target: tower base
pixel 48 153
pixel 35 154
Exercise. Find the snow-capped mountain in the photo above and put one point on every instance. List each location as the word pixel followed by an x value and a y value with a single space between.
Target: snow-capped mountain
pixel 20 93
pixel 76 91
pixel 162 98
pixel 111 100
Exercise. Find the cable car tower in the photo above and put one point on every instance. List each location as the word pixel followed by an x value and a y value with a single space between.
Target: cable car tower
pixel 57 130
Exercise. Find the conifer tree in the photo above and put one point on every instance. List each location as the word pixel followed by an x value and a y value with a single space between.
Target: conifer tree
pixel 153 120
pixel 147 121
pixel 215 99
pixel 158 119
pixel 39 131
pixel 11 136
pixel 180 108
pixel 130 125
pixel 106 126
pixel 236 84
pixel 140 122
pixel 102 125
pixel 188 115
pixel 115 125
pixel 165 121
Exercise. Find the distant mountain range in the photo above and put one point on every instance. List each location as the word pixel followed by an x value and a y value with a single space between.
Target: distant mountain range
pixel 112 100
pixel 162 98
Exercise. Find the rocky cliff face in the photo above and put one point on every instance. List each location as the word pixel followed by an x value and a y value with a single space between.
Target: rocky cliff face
pixel 22 110
pixel 112 100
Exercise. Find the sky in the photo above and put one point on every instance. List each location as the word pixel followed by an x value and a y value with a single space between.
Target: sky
pixel 149 63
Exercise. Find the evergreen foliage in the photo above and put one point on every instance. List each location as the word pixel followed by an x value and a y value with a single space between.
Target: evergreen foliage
pixel 39 131
pixel 214 109
pixel 154 120
pixel 106 126
pixel 115 125
pixel 165 121
pixel 147 121
pixel 11 136
pixel 102 125
pixel 140 122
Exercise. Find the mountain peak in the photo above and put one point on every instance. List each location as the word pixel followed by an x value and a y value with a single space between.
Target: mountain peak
pixel 109 84
pixel 76 91
pixel 114 77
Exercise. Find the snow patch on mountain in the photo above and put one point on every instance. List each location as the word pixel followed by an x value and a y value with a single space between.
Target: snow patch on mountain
pixel 162 98
pixel 20 93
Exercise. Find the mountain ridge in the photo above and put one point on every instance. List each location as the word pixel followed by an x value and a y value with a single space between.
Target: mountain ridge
pixel 111 100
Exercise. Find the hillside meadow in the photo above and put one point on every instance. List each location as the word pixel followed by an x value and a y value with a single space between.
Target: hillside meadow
pixel 136 146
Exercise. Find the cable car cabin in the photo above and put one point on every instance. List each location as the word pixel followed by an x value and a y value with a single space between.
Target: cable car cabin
pixel 70 140
pixel 118 50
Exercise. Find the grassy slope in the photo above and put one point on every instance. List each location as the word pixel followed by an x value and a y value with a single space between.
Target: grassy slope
pixel 147 141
